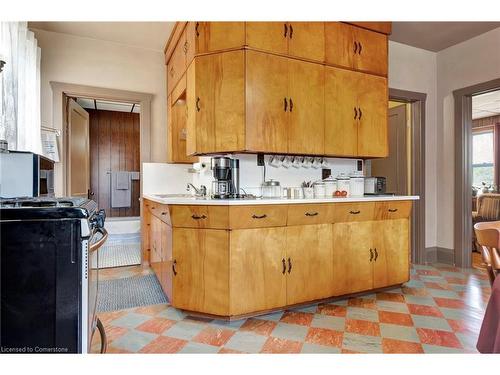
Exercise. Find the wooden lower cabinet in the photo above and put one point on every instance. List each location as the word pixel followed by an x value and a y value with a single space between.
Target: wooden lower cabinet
pixel 201 270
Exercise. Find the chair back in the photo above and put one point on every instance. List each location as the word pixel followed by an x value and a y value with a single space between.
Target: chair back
pixel 488 206
pixel 488 237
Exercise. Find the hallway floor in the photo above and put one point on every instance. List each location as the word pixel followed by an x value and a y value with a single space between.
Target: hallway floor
pixel 439 310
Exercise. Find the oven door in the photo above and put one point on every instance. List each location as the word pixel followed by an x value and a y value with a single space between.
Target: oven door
pixel 98 239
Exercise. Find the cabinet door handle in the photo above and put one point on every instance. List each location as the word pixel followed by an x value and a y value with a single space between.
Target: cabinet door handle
pixel 355 47
pixel 198 104
pixel 371 255
pixel 196 217
pixel 285 104
pixel 289 265
pixel 291 104
pixel 311 214
pixel 360 112
pixel 393 209
pixel 196 29
pixel 163 213
pixel 360 48
pixel 259 216
pixel 355 113
pixel 291 31
pixel 185 47
pixel 284 266
pixel 285 28
pixel 173 267
pixel 376 254
pixel 355 212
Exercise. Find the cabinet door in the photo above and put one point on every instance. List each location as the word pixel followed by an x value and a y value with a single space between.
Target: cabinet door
pixel 201 279
pixel 216 103
pixel 177 64
pixel 306 91
pixel 352 268
pixel 267 106
pixel 307 40
pixel 339 44
pixel 268 36
pixel 391 263
pixel 177 132
pixel 256 267
pixel 371 52
pixel 341 127
pixel 309 251
pixel 166 260
pixel 372 101
pixel 155 241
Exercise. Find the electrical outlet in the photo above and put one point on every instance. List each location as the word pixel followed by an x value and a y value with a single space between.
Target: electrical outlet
pixel 260 160
pixel 360 165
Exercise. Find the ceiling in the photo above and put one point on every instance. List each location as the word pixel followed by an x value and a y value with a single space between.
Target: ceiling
pixel 108 106
pixel 435 36
pixel 486 105
pixel 148 35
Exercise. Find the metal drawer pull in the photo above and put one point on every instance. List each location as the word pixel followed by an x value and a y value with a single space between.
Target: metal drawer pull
pixel 355 113
pixel 355 212
pixel 285 104
pixel 376 254
pixel 371 255
pixel 259 216
pixel 196 217
pixel 291 31
pixel 196 29
pixel 289 265
pixel 163 213
pixel 393 209
pixel 284 266
pixel 360 48
pixel 173 267
pixel 285 28
pixel 198 104
pixel 291 104
pixel 360 113
pixel 355 47
pixel 311 214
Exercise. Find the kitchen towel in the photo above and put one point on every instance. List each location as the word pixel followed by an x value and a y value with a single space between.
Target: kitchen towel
pixel 120 197
pixel 122 180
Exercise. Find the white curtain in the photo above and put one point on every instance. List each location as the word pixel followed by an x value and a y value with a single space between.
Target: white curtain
pixel 20 88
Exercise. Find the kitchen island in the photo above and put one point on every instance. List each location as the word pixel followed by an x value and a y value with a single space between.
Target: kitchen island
pixel 237 258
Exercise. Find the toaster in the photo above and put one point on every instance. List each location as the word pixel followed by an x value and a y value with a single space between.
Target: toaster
pixel 375 185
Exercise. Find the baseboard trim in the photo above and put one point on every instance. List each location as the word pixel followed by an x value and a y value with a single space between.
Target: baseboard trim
pixel 438 254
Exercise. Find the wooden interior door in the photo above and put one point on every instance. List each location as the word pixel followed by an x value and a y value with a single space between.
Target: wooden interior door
pixel 371 55
pixel 267 105
pixel 339 44
pixel 268 36
pixel 372 96
pixel 310 250
pixel 306 91
pixel 391 265
pixel 341 127
pixel 78 162
pixel 201 279
pixel 256 268
pixel 352 268
pixel 307 40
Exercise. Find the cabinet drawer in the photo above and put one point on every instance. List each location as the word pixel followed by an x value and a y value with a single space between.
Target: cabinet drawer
pixel 356 211
pixel 215 217
pixel 392 210
pixel 259 216
pixel 161 211
pixel 303 214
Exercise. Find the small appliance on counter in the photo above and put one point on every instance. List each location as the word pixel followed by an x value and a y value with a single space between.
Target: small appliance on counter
pixel 226 184
pixel 375 185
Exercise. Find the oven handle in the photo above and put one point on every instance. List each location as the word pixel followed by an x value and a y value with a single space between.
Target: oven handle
pixel 101 241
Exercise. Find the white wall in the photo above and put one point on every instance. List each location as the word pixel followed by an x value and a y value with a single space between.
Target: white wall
pixel 474 61
pixel 414 69
pixel 72 59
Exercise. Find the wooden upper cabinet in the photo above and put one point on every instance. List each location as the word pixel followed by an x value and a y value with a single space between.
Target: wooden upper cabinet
pixel 267 104
pixel 341 127
pixel 371 54
pixel 176 65
pixel 268 36
pixel 380 27
pixel 216 103
pixel 307 40
pixel 372 94
pixel 339 46
pixel 306 92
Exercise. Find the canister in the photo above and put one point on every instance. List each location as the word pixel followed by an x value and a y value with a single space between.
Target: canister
pixel 330 186
pixel 319 189
pixel 357 184
pixel 343 183
pixel 271 189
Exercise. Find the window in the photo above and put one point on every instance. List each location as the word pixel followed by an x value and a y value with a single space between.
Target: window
pixel 483 165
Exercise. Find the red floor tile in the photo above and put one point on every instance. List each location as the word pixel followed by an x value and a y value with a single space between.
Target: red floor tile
pixel 107 317
pixel 259 326
pixel 322 336
pixel 422 292
pixel 333 310
pixel 164 344
pixel 112 350
pixel 365 303
pixel 433 285
pixel 440 338
pixel 112 332
pixel 362 327
pixel 392 297
pixel 395 318
pixel 156 325
pixel 465 326
pixel 276 345
pixel 347 351
pixel 428 272
pixel 456 280
pixel 424 310
pixel 398 346
pixel 150 310
pixel 449 302
pixel 229 351
pixel 214 336
pixel 295 317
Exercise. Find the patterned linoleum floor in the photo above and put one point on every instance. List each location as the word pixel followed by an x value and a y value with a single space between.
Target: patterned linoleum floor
pixel 439 310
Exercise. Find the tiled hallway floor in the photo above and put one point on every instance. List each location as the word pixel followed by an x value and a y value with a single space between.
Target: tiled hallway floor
pixel 438 311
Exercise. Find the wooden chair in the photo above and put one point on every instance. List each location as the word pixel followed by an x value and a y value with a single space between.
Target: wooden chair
pixel 488 238
pixel 488 209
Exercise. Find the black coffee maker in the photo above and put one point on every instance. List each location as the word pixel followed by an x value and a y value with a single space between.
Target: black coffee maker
pixel 227 177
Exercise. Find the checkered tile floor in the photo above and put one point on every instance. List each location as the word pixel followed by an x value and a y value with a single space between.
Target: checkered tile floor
pixel 439 310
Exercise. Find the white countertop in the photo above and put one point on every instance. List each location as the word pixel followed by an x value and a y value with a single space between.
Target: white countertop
pixel 182 200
